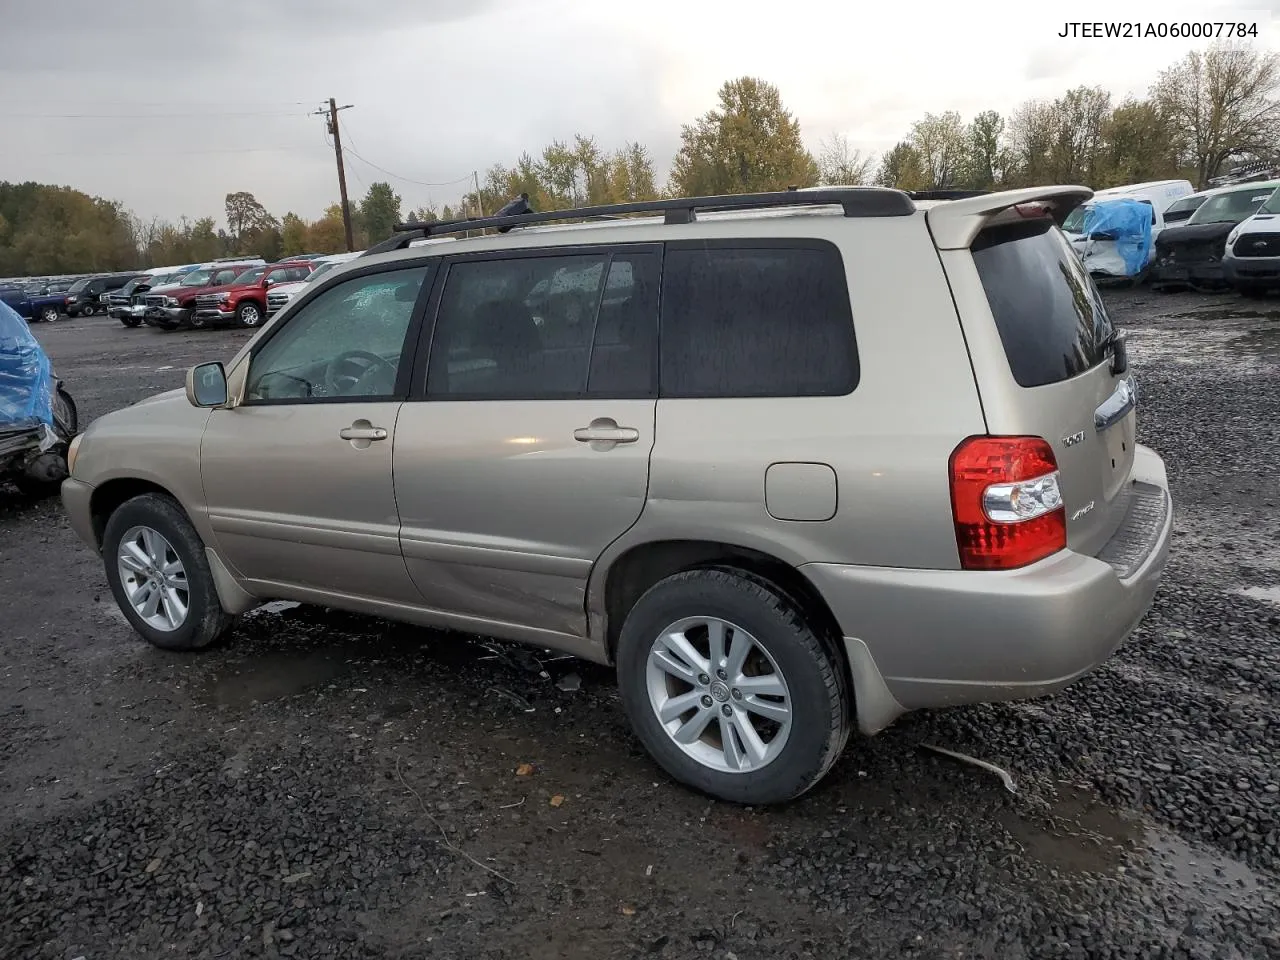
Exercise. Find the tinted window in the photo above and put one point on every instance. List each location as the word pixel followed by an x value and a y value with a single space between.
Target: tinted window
pixel 1051 318
pixel 347 342
pixel 224 276
pixel 250 276
pixel 524 328
pixel 78 285
pixel 740 321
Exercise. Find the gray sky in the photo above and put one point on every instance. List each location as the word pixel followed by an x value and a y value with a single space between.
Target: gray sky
pixel 168 106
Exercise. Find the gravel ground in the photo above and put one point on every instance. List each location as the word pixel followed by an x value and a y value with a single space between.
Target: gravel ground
pixel 335 786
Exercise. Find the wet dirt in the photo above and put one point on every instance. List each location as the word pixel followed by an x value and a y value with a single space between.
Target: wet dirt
pixel 328 785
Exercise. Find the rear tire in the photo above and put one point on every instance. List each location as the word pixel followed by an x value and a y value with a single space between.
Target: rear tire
pixel 176 555
pixel 1252 292
pixel 791 665
pixel 49 314
pixel 130 321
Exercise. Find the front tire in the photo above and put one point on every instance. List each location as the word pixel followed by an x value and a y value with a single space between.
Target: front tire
pixel 249 315
pixel 1252 292
pixel 160 576
pixel 130 321
pixel 729 687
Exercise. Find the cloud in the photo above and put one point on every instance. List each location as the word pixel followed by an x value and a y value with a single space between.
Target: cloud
pixel 167 107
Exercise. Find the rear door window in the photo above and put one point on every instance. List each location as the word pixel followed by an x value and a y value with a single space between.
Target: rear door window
pixel 756 320
pixel 1051 318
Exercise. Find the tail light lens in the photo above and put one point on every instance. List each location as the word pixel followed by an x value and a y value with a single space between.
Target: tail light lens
pixel 1006 498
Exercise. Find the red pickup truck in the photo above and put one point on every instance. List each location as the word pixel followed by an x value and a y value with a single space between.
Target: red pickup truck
pixel 244 300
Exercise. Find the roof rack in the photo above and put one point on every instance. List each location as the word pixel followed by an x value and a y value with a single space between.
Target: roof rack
pixel 856 201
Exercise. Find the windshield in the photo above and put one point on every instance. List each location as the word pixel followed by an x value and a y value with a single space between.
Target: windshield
pixel 199 278
pixel 319 270
pixel 251 276
pixel 133 285
pixel 1075 219
pixel 1185 205
pixel 1231 207
pixel 79 285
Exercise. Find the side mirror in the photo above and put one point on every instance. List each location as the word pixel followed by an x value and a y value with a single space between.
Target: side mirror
pixel 207 385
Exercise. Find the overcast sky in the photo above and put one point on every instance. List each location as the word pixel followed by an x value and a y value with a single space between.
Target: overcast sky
pixel 167 105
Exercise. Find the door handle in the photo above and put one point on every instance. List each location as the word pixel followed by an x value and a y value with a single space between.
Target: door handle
pixel 362 432
pixel 606 430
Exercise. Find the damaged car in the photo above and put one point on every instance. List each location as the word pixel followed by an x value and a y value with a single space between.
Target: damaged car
pixel 37 416
pixel 1192 255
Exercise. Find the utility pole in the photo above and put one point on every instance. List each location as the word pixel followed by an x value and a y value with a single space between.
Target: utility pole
pixel 331 115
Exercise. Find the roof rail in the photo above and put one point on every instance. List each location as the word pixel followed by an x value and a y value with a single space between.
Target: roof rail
pixel 856 201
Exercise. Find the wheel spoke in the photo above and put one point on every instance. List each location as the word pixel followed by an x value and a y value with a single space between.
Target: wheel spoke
pixel 715 643
pixel 734 756
pixel 694 727
pixel 173 569
pixel 738 652
pixel 134 557
pixel 667 662
pixel 770 684
pixel 678 706
pixel 755 747
pixel 680 646
pixel 150 604
pixel 154 547
pixel 174 608
pixel 769 709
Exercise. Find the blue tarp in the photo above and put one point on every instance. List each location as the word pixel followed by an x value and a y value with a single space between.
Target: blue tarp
pixel 1128 223
pixel 26 376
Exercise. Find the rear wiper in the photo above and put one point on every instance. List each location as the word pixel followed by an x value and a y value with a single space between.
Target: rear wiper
pixel 1117 341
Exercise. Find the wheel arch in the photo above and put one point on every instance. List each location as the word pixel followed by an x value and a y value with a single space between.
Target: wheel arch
pixel 616 588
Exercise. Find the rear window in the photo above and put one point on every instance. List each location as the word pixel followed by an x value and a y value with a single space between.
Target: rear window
pixel 1051 318
pixel 765 320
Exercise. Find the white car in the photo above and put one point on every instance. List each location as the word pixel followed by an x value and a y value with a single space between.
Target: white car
pixel 282 293
pixel 1251 259
pixel 1101 257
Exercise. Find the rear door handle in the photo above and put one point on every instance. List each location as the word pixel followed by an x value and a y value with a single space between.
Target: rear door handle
pixel 606 431
pixel 1117 406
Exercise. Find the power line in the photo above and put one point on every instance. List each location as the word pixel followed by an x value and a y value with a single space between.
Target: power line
pixel 422 183
pixel 147 116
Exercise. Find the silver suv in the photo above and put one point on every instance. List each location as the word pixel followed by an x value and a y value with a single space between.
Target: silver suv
pixel 791 462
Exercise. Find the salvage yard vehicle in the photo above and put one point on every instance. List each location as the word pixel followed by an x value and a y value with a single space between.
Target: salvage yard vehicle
pixel 33 303
pixel 37 415
pixel 172 308
pixel 1116 239
pixel 85 297
pixel 676 439
pixel 1100 256
pixel 1192 255
pixel 1251 260
pixel 244 299
pixel 281 293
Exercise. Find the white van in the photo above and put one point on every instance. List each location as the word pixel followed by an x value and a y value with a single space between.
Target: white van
pixel 1100 256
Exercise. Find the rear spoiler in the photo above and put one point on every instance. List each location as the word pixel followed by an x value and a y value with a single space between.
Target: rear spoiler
pixel 954 224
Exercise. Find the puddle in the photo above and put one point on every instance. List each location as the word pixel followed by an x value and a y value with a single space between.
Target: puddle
pixel 1078 834
pixel 1240 347
pixel 272 676
pixel 1270 594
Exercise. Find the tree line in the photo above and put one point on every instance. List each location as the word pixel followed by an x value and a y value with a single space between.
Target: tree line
pixel 1204 114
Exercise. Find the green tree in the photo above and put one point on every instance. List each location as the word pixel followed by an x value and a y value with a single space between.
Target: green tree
pixel 1139 144
pixel 750 143
pixel 1222 102
pixel 327 235
pixel 987 160
pixel 293 234
pixel 379 211
pixel 903 168
pixel 246 215
pixel 940 143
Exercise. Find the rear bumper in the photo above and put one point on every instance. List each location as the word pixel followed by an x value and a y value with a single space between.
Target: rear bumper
pixel 936 638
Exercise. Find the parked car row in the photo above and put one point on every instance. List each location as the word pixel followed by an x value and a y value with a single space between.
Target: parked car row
pixel 1227 237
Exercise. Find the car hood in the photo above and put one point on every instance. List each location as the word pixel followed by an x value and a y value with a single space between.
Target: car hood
pixel 1261 223
pixel 167 397
pixel 1197 233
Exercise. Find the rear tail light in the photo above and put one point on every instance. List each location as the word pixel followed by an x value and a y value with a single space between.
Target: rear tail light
pixel 1006 498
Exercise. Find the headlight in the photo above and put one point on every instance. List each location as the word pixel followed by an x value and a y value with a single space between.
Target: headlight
pixel 170 302
pixel 72 450
pixel 224 297
pixel 1231 237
